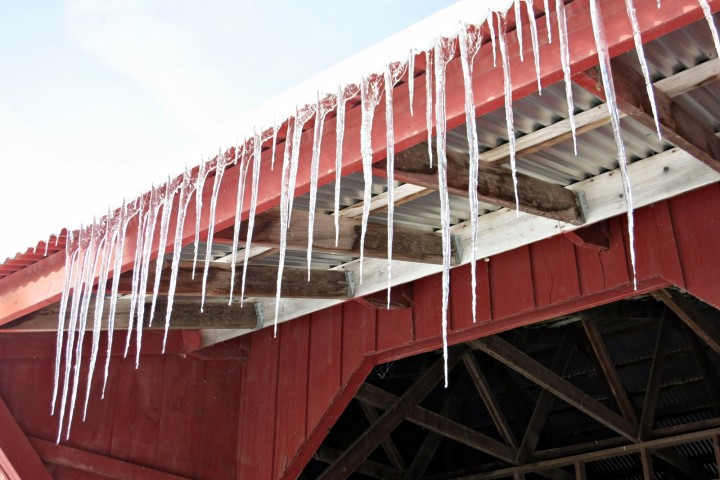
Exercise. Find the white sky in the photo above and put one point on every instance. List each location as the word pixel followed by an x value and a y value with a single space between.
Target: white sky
pixel 100 98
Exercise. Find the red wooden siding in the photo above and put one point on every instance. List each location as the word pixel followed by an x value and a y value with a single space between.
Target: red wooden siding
pixel 223 419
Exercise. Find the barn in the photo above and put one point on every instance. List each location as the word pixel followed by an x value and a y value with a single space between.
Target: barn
pixel 577 336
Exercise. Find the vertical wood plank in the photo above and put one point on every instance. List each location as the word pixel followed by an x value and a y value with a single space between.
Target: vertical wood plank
pixel 258 407
pixel 394 328
pixel 427 307
pixel 177 447
pixel 603 270
pixel 511 283
pixel 461 296
pixel 292 391
pixel 653 226
pixel 324 357
pixel 554 269
pixel 358 337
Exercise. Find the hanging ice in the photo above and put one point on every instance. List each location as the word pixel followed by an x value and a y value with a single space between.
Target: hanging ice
pixel 491 27
pixel 203 172
pixel 535 43
pixel 606 72
pixel 518 28
pixel 274 144
pixel 429 101
pixel 257 163
pixel 502 27
pixel 470 41
pixel 222 162
pixel 548 25
pixel 343 95
pixel 142 220
pixel 411 80
pixel 322 108
pixel 711 23
pixel 71 259
pixel 565 61
pixel 168 199
pixel 241 154
pixel 444 51
pixel 370 95
pixel 643 62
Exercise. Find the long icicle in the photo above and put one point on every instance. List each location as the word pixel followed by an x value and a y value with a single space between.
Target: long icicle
pixel 502 27
pixel 535 43
pixel 142 219
pixel 390 168
pixel 491 28
pixel 241 156
pixel 339 138
pixel 370 95
pixel 518 28
pixel 711 23
pixel 186 190
pixel 548 24
pixel 203 171
pixel 429 102
pixel 565 61
pixel 470 42
pixel 170 189
pixel 222 161
pixel 609 86
pixel 321 110
pixel 70 261
pixel 643 62
pixel 257 164
pixel 444 51
pixel 411 80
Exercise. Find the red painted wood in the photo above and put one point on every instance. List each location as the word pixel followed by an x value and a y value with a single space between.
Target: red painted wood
pixel 291 391
pixel 256 437
pixel 461 299
pixel 324 357
pixel 394 327
pixel 697 230
pixel 18 458
pixel 554 271
pixel 653 225
pixel 511 283
pixel 358 336
pixel 427 309
pixel 606 269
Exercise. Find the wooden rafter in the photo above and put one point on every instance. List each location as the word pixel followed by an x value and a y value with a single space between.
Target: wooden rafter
pixel 654 379
pixel 495 185
pixel 408 244
pixel 18 459
pixel 690 315
pixel 368 467
pixel 678 125
pixel 388 445
pixel 364 445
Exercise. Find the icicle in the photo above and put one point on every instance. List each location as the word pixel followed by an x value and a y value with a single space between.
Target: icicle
pixel 186 190
pixel 643 62
pixel 565 61
pixel 344 94
pixel 411 80
pixel 491 27
pixel 288 195
pixel 390 136
pixel 203 172
pixel 429 101
pixel 502 26
pixel 321 110
pixel 222 162
pixel 370 94
pixel 170 190
pixel 70 262
pixel 123 222
pixel 711 23
pixel 134 294
pixel 257 163
pixel 274 144
pixel 444 51
pixel 242 154
pixel 47 244
pixel 548 25
pixel 470 42
pixel 106 244
pixel 606 72
pixel 535 44
pixel 518 28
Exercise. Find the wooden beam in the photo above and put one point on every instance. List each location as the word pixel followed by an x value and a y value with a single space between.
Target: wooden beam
pixel 363 446
pixel 439 424
pixel 408 244
pixel 388 445
pixel 608 368
pixel 690 79
pixel 96 464
pixel 654 379
pixel 18 459
pixel 488 397
pixel 368 468
pixel 691 316
pixel 544 377
pixel 647 464
pixel 403 193
pixel 186 315
pixel 704 364
pixel 495 185
pixel 260 281
pixel 678 125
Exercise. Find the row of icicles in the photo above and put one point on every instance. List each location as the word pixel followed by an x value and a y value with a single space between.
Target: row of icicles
pixel 93 251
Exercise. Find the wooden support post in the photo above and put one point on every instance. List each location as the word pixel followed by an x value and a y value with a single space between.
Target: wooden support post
pixel 654 380
pixel 495 185
pixel 580 472
pixel 647 464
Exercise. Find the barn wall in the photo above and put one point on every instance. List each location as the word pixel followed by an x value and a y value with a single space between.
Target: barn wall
pixel 224 419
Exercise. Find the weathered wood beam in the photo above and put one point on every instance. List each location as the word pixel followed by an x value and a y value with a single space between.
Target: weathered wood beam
pixel 18 459
pixel 260 281
pixel 544 403
pixel 408 244
pixel 488 397
pixel 98 465
pixel 678 125
pixel 654 379
pixel 186 315
pixel 558 386
pixel 704 364
pixel 439 424
pixel 388 445
pixel 403 193
pixel 608 368
pixel 363 446
pixel 647 464
pixel 368 468
pixel 495 185
pixel 691 316
pixel 690 79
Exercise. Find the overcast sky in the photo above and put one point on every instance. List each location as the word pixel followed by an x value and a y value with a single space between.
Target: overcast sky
pixel 100 98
